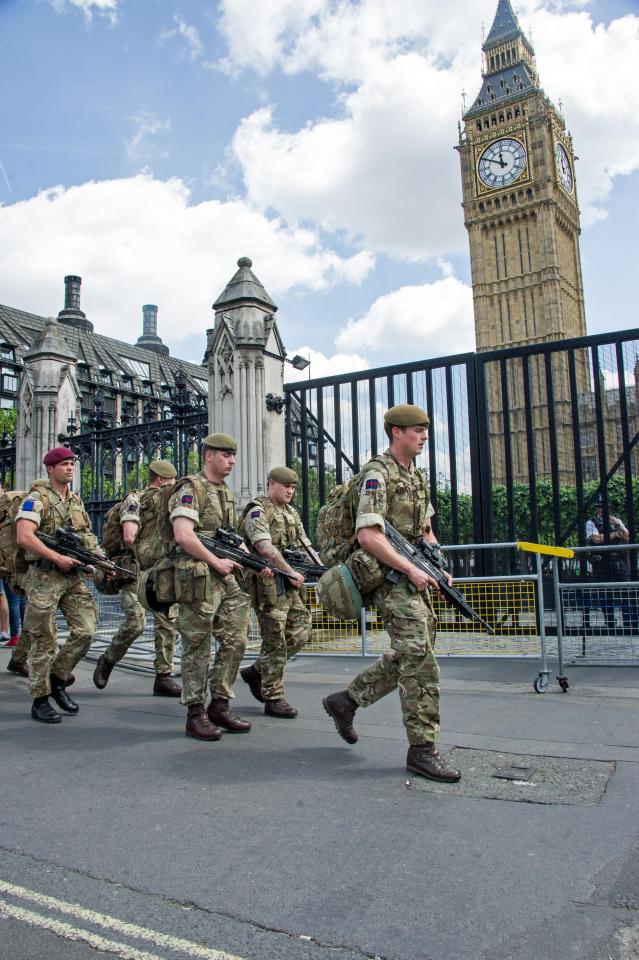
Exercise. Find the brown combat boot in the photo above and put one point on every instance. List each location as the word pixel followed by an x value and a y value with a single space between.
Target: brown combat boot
pixel 219 713
pixel 165 686
pixel 427 761
pixel 279 708
pixel 102 672
pixel 21 669
pixel 254 679
pixel 341 707
pixel 198 724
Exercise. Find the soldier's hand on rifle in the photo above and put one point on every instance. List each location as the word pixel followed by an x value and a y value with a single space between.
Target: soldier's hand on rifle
pixel 296 579
pixel 266 574
pixel 66 564
pixel 420 579
pixel 223 566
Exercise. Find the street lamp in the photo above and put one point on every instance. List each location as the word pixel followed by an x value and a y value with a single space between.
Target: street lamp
pixel 300 363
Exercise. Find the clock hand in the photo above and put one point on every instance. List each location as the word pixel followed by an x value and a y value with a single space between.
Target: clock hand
pixel 501 161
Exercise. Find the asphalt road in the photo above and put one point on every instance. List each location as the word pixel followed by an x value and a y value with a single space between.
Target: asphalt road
pixel 119 836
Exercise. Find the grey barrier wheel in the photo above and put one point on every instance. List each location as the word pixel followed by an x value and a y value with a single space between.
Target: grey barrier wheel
pixel 540 684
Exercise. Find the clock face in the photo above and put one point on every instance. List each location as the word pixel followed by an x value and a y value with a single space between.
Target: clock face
pixel 502 163
pixel 564 170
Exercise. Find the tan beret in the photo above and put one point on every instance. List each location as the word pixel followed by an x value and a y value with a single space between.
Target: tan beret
pixel 164 469
pixel 283 475
pixel 220 441
pixel 406 415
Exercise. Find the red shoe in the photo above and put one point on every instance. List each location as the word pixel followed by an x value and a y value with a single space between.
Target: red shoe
pixel 11 642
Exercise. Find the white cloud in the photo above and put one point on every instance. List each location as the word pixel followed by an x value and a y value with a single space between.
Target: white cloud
pixel 103 8
pixel 188 33
pixel 140 144
pixel 382 168
pixel 592 69
pixel 432 319
pixel 140 240
pixel 389 181
pixel 323 366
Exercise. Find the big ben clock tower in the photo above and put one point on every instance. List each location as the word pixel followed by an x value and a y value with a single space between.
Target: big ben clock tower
pixel 519 200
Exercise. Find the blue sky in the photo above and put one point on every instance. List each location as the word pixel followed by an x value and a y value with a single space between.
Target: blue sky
pixel 147 145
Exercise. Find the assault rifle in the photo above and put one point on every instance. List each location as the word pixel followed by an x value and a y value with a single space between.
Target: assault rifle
pixel 430 560
pixel 227 544
pixel 69 543
pixel 301 561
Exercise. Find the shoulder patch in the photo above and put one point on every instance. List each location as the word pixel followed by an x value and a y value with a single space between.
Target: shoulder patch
pixel 132 507
pixel 372 484
pixel 186 499
pixel 255 514
pixel 28 505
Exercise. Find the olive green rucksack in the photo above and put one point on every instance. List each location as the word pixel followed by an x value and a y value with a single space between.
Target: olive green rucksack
pixel 155 539
pixel 335 530
pixel 112 540
pixel 12 562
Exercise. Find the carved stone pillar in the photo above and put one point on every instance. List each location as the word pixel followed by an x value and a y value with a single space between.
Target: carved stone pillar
pixel 47 397
pixel 245 357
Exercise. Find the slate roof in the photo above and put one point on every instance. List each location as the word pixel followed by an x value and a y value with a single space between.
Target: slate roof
pixel 505 27
pixel 20 329
pixel 513 80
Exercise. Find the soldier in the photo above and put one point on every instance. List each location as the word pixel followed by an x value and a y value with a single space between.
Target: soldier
pixel 391 487
pixel 269 524
pixel 52 581
pixel 210 597
pixel 132 509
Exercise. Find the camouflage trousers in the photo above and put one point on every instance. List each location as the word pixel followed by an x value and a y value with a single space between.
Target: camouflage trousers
pixel 285 627
pixel 47 590
pixel 20 653
pixel 227 613
pixel 132 627
pixel 410 666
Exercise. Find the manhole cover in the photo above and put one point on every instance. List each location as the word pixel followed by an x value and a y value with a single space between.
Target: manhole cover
pixel 503 776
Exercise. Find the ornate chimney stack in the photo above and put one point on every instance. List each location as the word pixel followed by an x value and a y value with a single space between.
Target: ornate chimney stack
pixel 72 315
pixel 149 339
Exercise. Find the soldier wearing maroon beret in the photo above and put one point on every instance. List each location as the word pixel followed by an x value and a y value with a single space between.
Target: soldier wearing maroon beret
pixel 53 581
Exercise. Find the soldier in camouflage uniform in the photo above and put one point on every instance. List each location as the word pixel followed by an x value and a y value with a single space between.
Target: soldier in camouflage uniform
pixel 270 523
pixel 161 473
pixel 51 582
pixel 391 487
pixel 210 597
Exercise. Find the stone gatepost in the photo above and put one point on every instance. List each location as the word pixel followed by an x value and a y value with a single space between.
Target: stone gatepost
pixel 47 397
pixel 245 357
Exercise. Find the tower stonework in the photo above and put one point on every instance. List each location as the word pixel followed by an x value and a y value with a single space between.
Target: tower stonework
pixel 522 215
pixel 520 200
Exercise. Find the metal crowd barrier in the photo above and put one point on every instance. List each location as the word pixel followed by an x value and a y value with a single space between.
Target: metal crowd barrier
pixel 511 604
pixel 597 622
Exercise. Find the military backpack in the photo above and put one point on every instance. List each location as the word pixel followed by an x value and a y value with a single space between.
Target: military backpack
pixel 335 530
pixel 12 560
pixel 112 539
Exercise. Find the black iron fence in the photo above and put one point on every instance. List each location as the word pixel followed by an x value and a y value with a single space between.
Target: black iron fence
pixel 522 441
pixel 113 458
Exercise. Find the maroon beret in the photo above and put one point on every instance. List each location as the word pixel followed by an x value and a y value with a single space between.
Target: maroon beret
pixel 57 455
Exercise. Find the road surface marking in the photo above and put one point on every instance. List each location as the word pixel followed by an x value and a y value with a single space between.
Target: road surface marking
pixel 112 923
